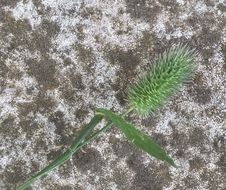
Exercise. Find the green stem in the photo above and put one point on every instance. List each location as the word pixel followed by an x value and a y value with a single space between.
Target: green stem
pixel 76 145
pixel 66 155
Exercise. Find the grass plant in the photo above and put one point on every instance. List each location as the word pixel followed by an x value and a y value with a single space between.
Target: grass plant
pixel 165 78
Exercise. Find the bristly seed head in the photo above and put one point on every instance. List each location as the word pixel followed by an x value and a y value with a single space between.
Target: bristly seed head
pixel 170 72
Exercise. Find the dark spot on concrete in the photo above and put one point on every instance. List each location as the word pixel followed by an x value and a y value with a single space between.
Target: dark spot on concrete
pixel 150 121
pixel 123 149
pixel 62 128
pixel 44 72
pixel 14 174
pixel 190 182
pixel 89 160
pixel 210 3
pixel 80 33
pixel 55 186
pixel 19 29
pixel 222 162
pixel 210 37
pixel 43 103
pixel 8 3
pixel 30 90
pixel 66 169
pixel 78 187
pixel 171 6
pixel 206 55
pixel 128 61
pixel 18 170
pixel 3 69
pixel 14 73
pixel 137 8
pixel 198 138
pixel 85 56
pixel 26 108
pixel 118 26
pixel 76 81
pixel 198 80
pixel 203 24
pixel 149 177
pixel 51 28
pixel 40 8
pixel 212 111
pixel 70 87
pixel 206 37
pixel 224 67
pixel 3 73
pixel 91 13
pixel 160 139
pixel 8 128
pixel 196 163
pixel 68 93
pixel 37 3
pixel 219 144
pixel 81 114
pixel 121 98
pixel 223 50
pixel 65 187
pixel 67 61
pixel 41 38
pixel 24 36
pixel 213 178
pixel 202 95
pixel 28 127
pixel 145 46
pixel 53 154
pixel 192 21
pixel 143 9
pixel 35 166
pixel 121 178
pixel 40 143
pixel 180 141
pixel 221 7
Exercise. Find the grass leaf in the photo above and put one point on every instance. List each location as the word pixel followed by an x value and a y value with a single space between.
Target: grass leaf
pixel 137 137
pixel 66 155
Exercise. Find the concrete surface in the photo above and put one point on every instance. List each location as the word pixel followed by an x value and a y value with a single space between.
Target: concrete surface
pixel 60 59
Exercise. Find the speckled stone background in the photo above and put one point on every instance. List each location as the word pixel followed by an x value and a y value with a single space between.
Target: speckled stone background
pixel 60 59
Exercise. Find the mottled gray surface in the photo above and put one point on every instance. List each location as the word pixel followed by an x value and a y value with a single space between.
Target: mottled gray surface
pixel 60 59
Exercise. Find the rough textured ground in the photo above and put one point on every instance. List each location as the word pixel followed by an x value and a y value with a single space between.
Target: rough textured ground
pixel 59 59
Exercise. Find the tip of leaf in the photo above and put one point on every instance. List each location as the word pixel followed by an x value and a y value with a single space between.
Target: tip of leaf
pixel 172 163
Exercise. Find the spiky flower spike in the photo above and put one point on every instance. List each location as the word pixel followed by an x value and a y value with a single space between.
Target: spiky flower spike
pixel 170 72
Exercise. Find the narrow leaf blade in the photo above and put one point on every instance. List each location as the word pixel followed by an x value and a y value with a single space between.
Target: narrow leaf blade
pixel 137 137
pixel 86 131
pixel 64 156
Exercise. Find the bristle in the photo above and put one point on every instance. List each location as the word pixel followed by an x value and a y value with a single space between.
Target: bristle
pixel 171 71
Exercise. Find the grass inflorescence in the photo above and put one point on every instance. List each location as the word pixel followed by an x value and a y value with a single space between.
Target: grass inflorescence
pixel 170 72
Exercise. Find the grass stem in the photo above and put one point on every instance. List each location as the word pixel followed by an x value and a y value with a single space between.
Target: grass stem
pixel 78 143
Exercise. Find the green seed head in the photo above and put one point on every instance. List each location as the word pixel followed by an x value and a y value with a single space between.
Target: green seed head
pixel 170 72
